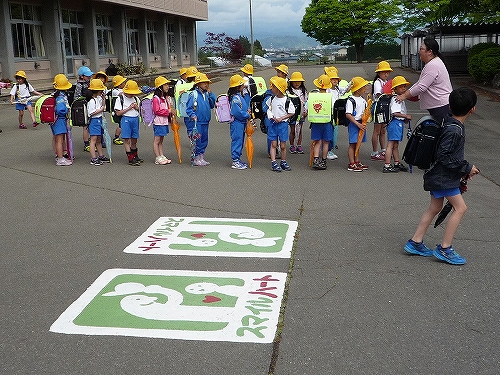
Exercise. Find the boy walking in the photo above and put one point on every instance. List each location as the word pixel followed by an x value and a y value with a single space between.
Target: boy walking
pixel 442 179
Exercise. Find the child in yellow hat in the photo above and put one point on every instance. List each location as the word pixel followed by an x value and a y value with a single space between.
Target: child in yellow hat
pixel 354 114
pixel 21 92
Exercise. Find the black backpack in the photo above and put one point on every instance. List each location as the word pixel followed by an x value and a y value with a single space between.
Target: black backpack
pixel 382 109
pixel 421 148
pixel 79 116
pixel 256 105
pixel 298 107
pixel 339 110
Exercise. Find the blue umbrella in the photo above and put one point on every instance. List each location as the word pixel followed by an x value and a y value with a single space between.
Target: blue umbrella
pixel 107 137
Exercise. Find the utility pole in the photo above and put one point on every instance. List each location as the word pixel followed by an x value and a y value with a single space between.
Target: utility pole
pixel 251 36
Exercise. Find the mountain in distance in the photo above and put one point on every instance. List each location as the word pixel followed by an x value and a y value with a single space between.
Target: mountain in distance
pixel 287 42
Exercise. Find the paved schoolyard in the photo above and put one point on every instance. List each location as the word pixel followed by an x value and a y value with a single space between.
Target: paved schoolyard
pixel 355 303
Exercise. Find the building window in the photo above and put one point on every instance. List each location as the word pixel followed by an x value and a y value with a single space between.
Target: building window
pixel 74 32
pixel 184 39
pixel 104 35
pixel 152 39
pixel 133 36
pixel 170 38
pixel 26 28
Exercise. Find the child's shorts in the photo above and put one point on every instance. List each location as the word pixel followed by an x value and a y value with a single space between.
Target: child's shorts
pixel 321 132
pixel 277 130
pixel 59 127
pixel 130 127
pixel 22 107
pixel 353 131
pixel 95 126
pixel 160 130
pixel 395 130
pixel 445 193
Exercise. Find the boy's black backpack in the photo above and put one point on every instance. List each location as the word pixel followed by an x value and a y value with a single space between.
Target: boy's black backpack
pixel 70 94
pixel 339 110
pixel 256 105
pixel 421 148
pixel 78 111
pixel 116 119
pixel 382 109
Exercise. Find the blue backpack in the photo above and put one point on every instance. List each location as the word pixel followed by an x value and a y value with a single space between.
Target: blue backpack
pixel 183 99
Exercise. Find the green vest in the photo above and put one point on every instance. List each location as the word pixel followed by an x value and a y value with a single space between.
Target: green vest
pixel 319 107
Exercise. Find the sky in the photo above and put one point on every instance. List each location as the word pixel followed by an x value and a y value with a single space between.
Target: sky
pixel 270 18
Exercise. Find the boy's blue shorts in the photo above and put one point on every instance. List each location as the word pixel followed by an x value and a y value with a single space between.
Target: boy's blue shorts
pixel 59 127
pixel 353 131
pixel 321 132
pixel 95 126
pixel 395 130
pixel 445 193
pixel 130 127
pixel 278 130
pixel 160 130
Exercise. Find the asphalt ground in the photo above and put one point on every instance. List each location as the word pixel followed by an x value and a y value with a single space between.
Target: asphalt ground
pixel 355 303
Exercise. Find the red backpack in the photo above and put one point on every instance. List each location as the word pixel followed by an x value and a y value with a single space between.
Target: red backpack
pixel 47 109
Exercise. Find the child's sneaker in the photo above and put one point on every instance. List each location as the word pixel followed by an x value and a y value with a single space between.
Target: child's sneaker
pixel 362 166
pixel 378 156
pixel 63 161
pixel 331 155
pixel 86 148
pixel 401 167
pixel 284 165
pixel 238 165
pixel 134 162
pixel 448 255
pixel 299 149
pixel 95 161
pixel 117 141
pixel 416 248
pixel 275 166
pixel 293 149
pixel 390 169
pixel 22 126
pixel 354 167
pixel 104 159
pixel 35 124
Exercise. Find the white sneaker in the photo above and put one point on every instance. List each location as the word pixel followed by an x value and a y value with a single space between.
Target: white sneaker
pixel 63 161
pixel 202 157
pixel 331 156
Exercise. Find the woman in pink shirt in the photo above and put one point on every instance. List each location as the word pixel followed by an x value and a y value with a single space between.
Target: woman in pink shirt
pixel 433 86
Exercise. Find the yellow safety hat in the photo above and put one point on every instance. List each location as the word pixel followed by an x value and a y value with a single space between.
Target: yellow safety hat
pixel 323 82
pixel 279 83
pixel 248 69
pixel 357 83
pixel 398 81
pixel 20 73
pixel 332 73
pixel 160 81
pixel 101 73
pixel 118 80
pixel 236 81
pixel 61 82
pixel 96 85
pixel 282 68
pixel 132 88
pixel 297 77
pixel 183 71
pixel 383 66
pixel 191 72
pixel 201 77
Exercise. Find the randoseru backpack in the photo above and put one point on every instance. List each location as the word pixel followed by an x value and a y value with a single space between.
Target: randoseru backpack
pixel 382 109
pixel 339 110
pixel 298 108
pixel 256 105
pixel 420 150
pixel 183 99
pixel 45 109
pixel 78 112
pixel 147 109
pixel 223 109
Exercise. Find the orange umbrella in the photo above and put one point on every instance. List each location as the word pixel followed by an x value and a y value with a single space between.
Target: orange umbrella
pixel 311 156
pixel 364 119
pixel 249 129
pixel 177 138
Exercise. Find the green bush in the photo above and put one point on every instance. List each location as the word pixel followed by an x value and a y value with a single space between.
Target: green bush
pixel 485 65
pixel 480 47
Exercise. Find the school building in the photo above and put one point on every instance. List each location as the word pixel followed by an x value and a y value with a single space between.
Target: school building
pixel 454 43
pixel 47 37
